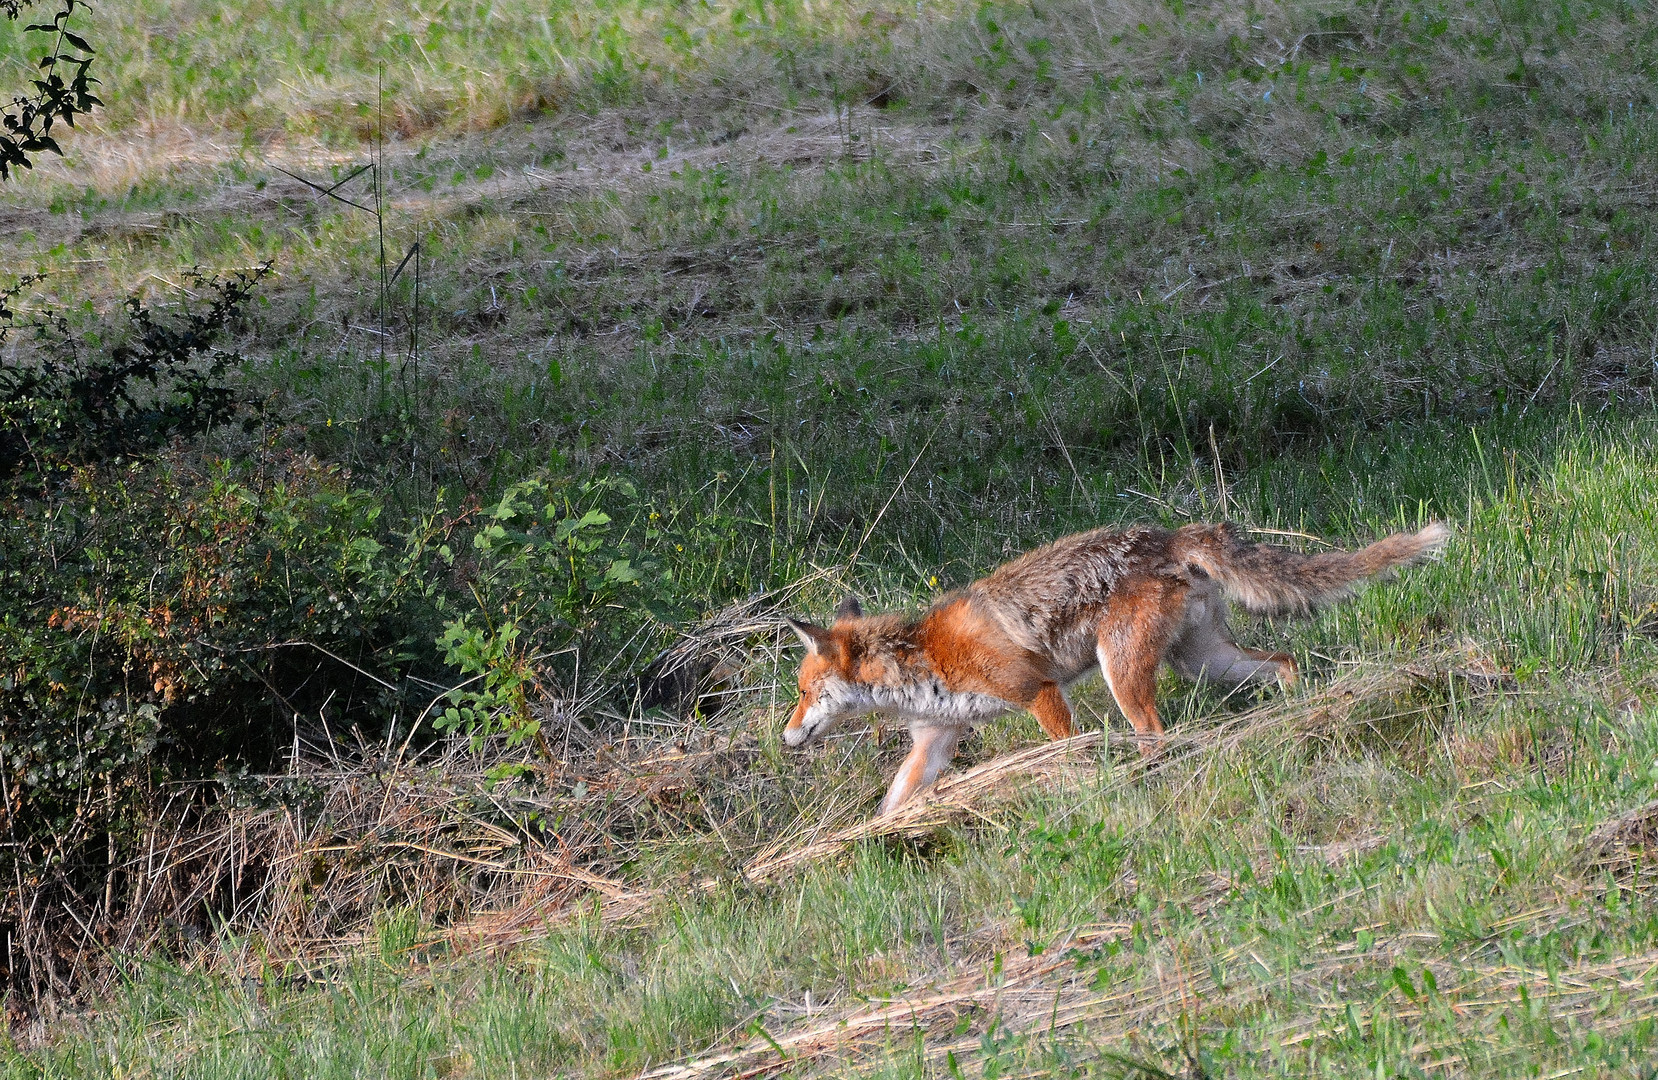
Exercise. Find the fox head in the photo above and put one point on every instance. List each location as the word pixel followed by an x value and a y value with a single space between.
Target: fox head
pixel 829 692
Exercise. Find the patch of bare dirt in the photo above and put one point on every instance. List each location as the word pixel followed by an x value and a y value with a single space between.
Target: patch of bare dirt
pixel 218 176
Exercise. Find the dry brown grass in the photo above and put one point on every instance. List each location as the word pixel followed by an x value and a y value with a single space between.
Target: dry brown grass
pixel 1626 847
pixel 307 862
pixel 484 847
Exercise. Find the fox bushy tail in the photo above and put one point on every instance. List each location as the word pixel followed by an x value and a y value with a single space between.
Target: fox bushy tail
pixel 1272 580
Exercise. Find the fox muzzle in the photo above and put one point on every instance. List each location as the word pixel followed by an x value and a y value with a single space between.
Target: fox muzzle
pixel 822 707
pixel 805 724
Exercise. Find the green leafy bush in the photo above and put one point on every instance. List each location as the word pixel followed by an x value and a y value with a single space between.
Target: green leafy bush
pixel 169 618
pixel 165 614
pixel 565 575
pixel 178 617
pixel 169 614
pixel 74 401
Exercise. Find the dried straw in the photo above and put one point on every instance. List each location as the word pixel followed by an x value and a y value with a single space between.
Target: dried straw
pixel 1056 991
pixel 952 799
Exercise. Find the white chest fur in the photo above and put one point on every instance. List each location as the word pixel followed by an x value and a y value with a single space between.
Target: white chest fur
pixel 929 700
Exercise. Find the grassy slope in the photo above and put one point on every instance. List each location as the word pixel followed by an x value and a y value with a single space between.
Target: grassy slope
pixel 1393 262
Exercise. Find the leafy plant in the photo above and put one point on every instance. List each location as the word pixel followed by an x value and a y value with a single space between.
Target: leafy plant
pixel 74 402
pixel 561 570
pixel 63 92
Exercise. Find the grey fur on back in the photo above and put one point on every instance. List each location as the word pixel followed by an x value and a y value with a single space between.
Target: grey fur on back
pixel 1050 600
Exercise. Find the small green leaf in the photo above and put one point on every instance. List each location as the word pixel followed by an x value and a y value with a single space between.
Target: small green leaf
pixel 1401 979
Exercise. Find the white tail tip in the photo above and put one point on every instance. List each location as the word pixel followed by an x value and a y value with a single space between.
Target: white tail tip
pixel 1434 537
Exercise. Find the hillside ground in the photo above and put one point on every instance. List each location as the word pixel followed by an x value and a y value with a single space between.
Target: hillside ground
pixel 870 299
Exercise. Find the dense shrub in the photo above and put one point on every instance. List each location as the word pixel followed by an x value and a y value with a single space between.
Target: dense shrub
pixel 170 618
pixel 170 614
pixel 72 399
pixel 179 617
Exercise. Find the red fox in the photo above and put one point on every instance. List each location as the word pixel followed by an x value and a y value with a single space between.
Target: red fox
pixel 1127 600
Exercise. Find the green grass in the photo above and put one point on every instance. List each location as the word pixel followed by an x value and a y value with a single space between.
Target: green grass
pixel 1097 255
pixel 903 293
pixel 290 69
pixel 1465 791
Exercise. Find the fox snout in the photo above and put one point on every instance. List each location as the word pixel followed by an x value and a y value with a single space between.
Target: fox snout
pixel 797 733
pixel 822 706
pixel 815 715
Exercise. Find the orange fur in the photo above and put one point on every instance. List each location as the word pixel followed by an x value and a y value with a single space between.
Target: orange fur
pixel 1124 601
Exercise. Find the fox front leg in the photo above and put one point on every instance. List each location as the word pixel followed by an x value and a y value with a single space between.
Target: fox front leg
pixel 932 750
pixel 1052 711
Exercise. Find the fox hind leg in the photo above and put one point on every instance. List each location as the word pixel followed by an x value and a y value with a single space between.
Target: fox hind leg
pixel 932 749
pixel 1205 651
pixel 1150 620
pixel 1140 621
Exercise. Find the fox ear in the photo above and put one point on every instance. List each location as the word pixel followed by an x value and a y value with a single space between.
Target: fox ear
pixel 815 638
pixel 850 608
